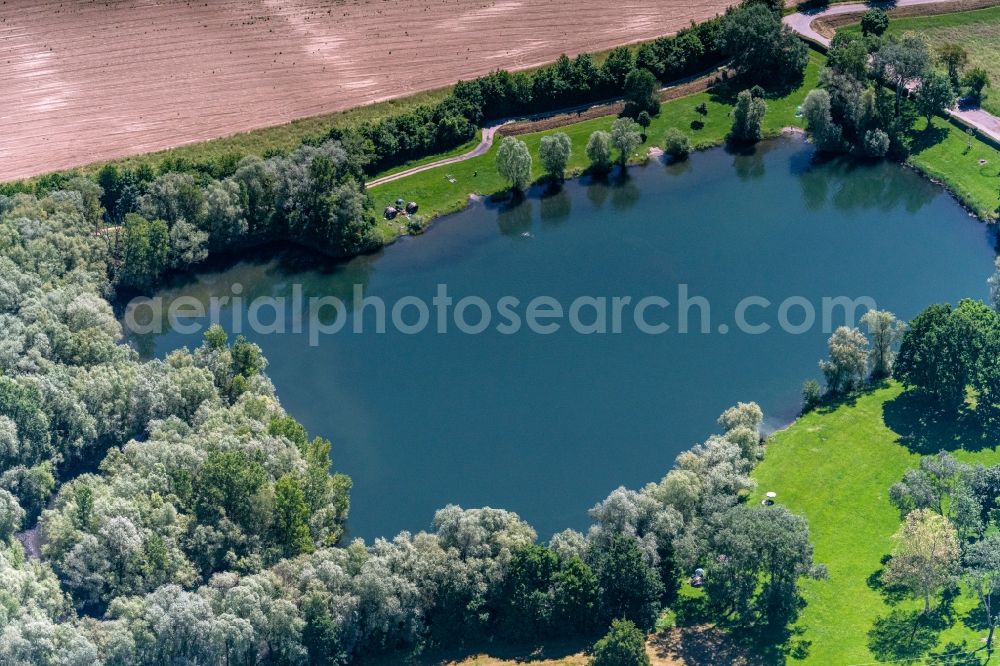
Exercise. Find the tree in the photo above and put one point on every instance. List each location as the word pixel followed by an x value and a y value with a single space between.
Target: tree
pixel 576 597
pixel 901 60
pixel 812 394
pixel 761 49
pixel 982 570
pixel 291 517
pixel 925 558
pixel 145 252
pixel 11 516
pixel 644 121
pixel 554 151
pixel 976 80
pixel 524 598
pixel 935 95
pixel 954 58
pixel 641 92
pixel 630 588
pixel 931 357
pixel 885 332
pixel 755 560
pixel 748 114
pixel 847 367
pixel 623 645
pixel 874 22
pixel 514 162
pixel 626 137
pixel 676 144
pixel 819 121
pixel 599 151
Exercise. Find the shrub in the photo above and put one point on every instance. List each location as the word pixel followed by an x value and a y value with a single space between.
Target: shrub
pixel 811 395
pixel 676 144
pixel 624 645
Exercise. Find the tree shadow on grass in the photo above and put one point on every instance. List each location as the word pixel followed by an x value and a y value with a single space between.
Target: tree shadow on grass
pixel 891 594
pixel 904 634
pixel 927 138
pixel 925 429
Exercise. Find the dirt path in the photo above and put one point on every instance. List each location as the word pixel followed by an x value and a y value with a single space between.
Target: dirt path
pixel 802 23
pixel 90 80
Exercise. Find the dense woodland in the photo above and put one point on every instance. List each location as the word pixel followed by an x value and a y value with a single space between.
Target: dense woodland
pixel 181 516
pixel 184 517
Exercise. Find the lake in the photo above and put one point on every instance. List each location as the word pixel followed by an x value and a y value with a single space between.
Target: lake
pixel 547 424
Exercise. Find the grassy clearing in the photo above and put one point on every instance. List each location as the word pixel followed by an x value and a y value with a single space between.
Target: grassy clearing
pixel 977 31
pixel 835 466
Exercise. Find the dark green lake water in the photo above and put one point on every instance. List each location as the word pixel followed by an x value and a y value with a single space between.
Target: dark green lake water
pixel 546 425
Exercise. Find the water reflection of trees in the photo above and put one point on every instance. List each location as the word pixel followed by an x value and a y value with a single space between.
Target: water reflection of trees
pixel 555 206
pixel 514 217
pixel 624 192
pixel 848 185
pixel 748 161
pixel 290 273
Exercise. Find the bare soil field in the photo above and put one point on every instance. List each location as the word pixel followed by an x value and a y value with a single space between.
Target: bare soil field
pixel 87 80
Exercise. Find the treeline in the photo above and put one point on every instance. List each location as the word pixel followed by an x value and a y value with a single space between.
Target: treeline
pixel 313 197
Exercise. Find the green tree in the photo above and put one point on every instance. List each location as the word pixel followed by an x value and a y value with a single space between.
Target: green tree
pixel 925 558
pixel 626 137
pixel 227 484
pixel 932 357
pixel 748 115
pixel 819 121
pixel 874 22
pixel 954 58
pixel 525 595
pixel 982 569
pixel 630 588
pixel 755 560
pixel 976 80
pixel 291 517
pixel 623 645
pixel 514 162
pixel 676 144
pixel 761 49
pixel 642 93
pixel 901 60
pixel 576 597
pixel 934 95
pixel 554 151
pixel 320 635
pixel 599 151
pixel 145 252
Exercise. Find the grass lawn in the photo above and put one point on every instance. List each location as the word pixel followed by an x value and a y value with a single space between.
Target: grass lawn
pixel 971 170
pixel 835 466
pixel 977 31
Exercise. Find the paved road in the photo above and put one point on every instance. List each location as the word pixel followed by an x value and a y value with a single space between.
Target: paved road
pixel 801 22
